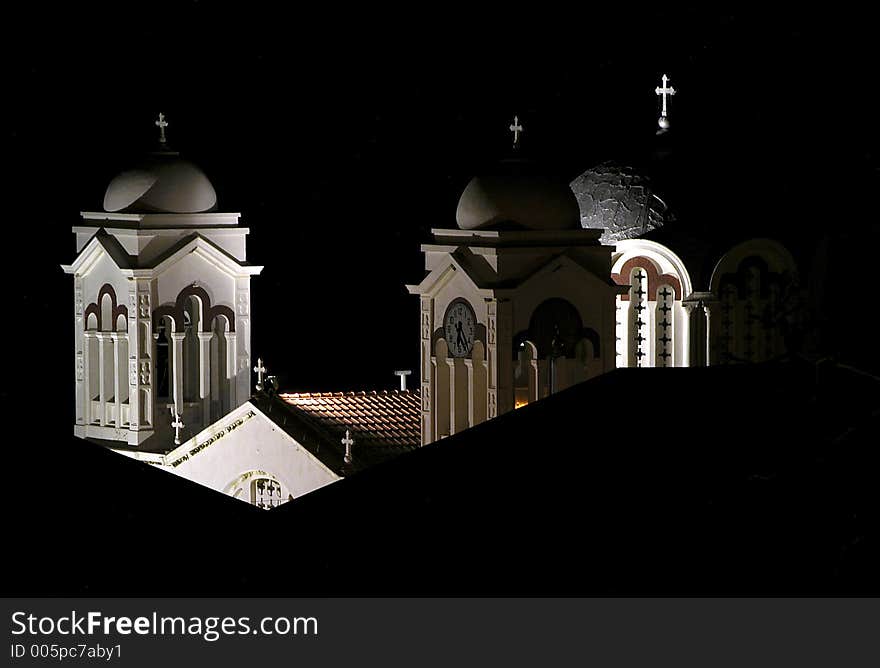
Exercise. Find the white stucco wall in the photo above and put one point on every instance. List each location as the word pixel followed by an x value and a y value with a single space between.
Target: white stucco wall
pixel 244 441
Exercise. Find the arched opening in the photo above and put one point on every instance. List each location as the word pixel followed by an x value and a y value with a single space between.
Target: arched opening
pixel 163 360
pixel 552 363
pixel 219 373
pixel 525 385
pixel 192 325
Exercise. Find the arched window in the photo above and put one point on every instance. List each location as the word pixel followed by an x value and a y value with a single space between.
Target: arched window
pixel 639 348
pixel 163 362
pixel 664 326
pixel 266 493
pixel 757 288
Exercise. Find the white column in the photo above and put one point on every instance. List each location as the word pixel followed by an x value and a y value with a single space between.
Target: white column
pixel 177 369
pixel 621 333
pixel 86 389
pixel 469 365
pixel 205 375
pixel 687 308
pixel 231 367
pixel 450 362
pixel 102 386
pixel 114 337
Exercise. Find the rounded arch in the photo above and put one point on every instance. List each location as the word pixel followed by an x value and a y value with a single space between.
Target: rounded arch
pixel 775 257
pixel 667 264
pixel 258 487
pixel 105 310
pixel 554 328
pixel 207 311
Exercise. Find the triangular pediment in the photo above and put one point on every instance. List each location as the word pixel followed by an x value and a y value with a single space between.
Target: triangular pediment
pixel 452 266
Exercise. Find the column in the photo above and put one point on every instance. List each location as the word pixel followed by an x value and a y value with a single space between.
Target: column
pixel 453 417
pixel 231 366
pixel 114 338
pixel 86 388
pixel 696 334
pixel 81 343
pixel 177 369
pixel 102 384
pixel 426 326
pixel 711 325
pixel 469 365
pixel 499 356
pixel 205 375
pixel 621 333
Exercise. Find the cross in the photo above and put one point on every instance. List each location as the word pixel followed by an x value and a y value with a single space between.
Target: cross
pixel 348 441
pixel 260 370
pixel 177 424
pixel 665 293
pixel 663 91
pixel 516 128
pixel 162 124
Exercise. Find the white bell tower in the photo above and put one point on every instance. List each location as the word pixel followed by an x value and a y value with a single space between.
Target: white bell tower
pixel 161 306
pixel 517 302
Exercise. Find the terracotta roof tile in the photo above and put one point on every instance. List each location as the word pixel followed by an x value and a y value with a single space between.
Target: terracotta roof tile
pixel 384 419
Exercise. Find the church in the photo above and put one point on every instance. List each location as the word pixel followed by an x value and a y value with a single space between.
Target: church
pixel 537 285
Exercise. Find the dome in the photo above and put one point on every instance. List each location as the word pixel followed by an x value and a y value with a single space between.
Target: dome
pixel 620 200
pixel 163 183
pixel 517 195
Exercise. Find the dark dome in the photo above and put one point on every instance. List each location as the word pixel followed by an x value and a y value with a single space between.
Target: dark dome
pixel 620 200
pixel 162 183
pixel 517 195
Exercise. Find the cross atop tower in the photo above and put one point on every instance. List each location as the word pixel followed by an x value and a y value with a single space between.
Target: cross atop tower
pixel 664 91
pixel 161 124
pixel 516 128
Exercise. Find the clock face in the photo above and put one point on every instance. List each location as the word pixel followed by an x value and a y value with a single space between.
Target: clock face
pixel 459 327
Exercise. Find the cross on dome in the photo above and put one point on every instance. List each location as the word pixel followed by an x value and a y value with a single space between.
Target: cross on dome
pixel 664 91
pixel 161 124
pixel 516 128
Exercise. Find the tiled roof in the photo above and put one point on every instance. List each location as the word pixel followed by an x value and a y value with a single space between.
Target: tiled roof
pixel 381 421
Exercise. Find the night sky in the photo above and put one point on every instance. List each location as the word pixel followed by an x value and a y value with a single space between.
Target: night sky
pixel 343 136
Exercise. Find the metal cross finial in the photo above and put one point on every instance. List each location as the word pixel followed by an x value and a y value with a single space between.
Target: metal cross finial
pixel 348 441
pixel 260 370
pixel 162 124
pixel 177 424
pixel 516 128
pixel 664 91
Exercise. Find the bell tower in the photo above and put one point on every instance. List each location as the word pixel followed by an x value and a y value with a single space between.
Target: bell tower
pixel 517 303
pixel 161 305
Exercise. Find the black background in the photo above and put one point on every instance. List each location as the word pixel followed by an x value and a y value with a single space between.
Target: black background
pixel 343 135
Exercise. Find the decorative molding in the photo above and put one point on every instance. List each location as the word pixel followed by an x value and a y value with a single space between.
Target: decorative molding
pixel 175 311
pixel 95 308
pixel 655 278
pixel 145 373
